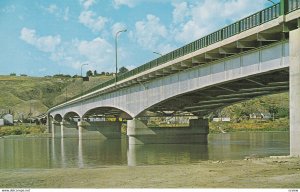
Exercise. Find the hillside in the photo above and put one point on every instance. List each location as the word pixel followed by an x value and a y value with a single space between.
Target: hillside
pixel 25 95
pixel 32 96
pixel 277 105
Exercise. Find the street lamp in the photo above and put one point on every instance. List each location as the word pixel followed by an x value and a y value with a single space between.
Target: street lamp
pixel 116 47
pixel 81 68
pixel 82 78
pixel 271 2
pixel 157 53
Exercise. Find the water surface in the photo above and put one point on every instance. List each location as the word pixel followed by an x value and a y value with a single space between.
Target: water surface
pixel 28 153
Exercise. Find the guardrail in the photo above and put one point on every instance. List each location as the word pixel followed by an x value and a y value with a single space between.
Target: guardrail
pixel 249 22
pixel 242 25
pixel 293 5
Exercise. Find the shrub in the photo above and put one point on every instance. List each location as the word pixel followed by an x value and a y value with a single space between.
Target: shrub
pixel 21 130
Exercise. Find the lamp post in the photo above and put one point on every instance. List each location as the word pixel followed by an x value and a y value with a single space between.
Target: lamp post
pixel 116 47
pixel 157 53
pixel 81 68
pixel 30 112
pixel 271 2
pixel 82 77
pixel 66 94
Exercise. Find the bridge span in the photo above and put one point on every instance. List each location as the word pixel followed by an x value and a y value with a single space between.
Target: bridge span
pixel 258 55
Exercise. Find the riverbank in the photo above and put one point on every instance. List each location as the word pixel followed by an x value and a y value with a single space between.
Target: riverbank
pixel 23 129
pixel 250 125
pixel 251 173
pixel 214 127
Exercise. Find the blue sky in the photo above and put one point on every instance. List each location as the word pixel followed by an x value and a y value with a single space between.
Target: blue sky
pixel 46 37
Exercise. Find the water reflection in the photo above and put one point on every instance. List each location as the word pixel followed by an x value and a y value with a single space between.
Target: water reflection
pixel 24 153
pixel 80 157
pixel 155 154
pixel 16 153
pixel 62 148
pixel 245 144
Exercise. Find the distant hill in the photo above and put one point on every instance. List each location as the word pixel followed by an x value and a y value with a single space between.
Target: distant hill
pixel 277 105
pixel 31 96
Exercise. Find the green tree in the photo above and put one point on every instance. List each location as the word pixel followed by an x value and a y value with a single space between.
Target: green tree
pixel 123 70
pixel 95 73
pixel 89 73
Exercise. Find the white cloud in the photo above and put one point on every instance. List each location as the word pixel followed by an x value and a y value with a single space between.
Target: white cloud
pixel 180 12
pixel 45 43
pixel 132 3
pixel 148 33
pixel 9 9
pixel 87 3
pixel 52 8
pixel 117 27
pixel 98 53
pixel 195 20
pixel 130 67
pixel 89 19
pixel 190 31
pixel 66 14
pixel 129 3
pixel 58 12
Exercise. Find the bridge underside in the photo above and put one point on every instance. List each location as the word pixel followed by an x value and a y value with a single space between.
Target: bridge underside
pixel 204 101
pixel 171 86
pixel 107 112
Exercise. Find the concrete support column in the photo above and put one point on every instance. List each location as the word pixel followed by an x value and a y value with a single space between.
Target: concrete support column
pixel 80 154
pixel 62 151
pixel 62 128
pixel 131 155
pixel 104 129
pixel 294 92
pixel 139 133
pixel 48 124
pixel 53 128
pixel 79 124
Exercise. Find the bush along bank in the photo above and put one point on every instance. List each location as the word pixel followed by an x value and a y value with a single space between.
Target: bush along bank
pixel 250 125
pixel 22 130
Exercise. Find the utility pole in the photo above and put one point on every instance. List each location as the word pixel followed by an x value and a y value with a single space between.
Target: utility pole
pixel 116 47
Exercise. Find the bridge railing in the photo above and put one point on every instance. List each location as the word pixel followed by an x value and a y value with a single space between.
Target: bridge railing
pixel 247 23
pixel 293 5
pixel 242 25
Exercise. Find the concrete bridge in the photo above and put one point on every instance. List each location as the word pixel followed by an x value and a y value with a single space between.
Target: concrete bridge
pixel 258 55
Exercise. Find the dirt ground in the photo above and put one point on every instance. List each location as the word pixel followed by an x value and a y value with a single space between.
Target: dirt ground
pixel 283 172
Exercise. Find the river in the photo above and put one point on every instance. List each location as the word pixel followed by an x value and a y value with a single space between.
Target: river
pixel 47 153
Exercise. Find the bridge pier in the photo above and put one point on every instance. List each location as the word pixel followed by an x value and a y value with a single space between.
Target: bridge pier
pixel 139 133
pixel 48 123
pixel 100 129
pixel 295 92
pixel 53 128
pixel 62 128
pixel 80 128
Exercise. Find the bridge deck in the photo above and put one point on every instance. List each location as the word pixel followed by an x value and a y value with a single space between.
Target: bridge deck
pixel 257 30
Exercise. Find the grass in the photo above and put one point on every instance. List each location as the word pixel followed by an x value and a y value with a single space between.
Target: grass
pixel 247 125
pixel 37 94
pixel 281 124
pixel 22 129
pixel 250 125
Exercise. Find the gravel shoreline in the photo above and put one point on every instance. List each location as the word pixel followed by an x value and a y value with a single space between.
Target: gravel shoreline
pixel 272 172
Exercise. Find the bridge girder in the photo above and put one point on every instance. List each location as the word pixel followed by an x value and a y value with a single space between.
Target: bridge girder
pixel 207 100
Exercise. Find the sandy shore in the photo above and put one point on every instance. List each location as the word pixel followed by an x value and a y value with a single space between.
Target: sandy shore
pixel 251 173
